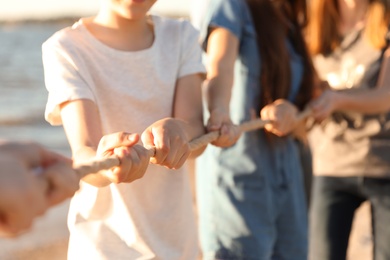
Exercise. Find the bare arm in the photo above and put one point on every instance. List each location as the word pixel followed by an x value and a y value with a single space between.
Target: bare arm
pixel 366 101
pixel 171 136
pixel 188 107
pixel 222 51
pixel 83 129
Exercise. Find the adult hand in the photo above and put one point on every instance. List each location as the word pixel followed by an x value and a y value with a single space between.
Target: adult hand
pixel 26 193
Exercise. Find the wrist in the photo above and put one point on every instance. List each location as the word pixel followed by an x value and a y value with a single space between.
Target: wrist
pixel 221 110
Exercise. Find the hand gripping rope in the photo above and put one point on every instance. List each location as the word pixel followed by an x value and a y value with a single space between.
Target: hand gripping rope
pixel 112 161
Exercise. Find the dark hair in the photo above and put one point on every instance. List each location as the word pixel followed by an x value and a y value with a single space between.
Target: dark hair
pixel 275 21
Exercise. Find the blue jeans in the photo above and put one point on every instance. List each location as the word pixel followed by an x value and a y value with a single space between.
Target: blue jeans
pixel 333 205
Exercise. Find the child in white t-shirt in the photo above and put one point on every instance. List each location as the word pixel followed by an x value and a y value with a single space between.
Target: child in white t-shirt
pixel 125 70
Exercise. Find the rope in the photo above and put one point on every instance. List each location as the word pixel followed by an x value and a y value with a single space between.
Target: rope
pixel 112 161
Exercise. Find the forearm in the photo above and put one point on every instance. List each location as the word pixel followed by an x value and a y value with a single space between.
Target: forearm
pixel 218 92
pixel 194 129
pixel 222 51
pixel 197 131
pixel 368 101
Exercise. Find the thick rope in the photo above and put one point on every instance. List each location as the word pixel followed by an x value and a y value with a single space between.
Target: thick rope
pixel 112 161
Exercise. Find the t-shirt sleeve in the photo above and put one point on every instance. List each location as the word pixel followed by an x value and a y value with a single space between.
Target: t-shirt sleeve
pixel 63 79
pixel 191 52
pixel 229 14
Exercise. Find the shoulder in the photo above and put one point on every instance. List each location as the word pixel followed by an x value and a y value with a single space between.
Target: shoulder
pixel 175 30
pixel 175 25
pixel 232 14
pixel 64 38
pixel 233 6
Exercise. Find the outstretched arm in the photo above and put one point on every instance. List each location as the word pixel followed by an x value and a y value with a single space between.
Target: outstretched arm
pixel 83 128
pixel 222 51
pixel 367 101
pixel 171 136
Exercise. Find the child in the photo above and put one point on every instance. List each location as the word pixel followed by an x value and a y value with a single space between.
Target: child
pixel 123 70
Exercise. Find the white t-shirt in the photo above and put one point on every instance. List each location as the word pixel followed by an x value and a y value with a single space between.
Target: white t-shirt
pixel 151 218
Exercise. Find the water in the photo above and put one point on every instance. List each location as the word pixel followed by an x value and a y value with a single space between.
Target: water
pixel 22 91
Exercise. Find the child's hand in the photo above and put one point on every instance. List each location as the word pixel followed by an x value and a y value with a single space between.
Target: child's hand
pixel 32 179
pixel 220 121
pixel 170 139
pixel 283 115
pixel 134 159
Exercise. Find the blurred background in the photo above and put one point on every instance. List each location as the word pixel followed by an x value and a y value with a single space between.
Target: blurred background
pixel 46 9
pixel 24 26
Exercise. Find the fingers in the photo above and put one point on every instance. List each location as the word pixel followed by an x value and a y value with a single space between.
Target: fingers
pixel 267 113
pixel 111 141
pixel 169 137
pixel 134 162
pixel 133 159
pixel 214 124
pixel 120 174
pixel 160 138
pixel 141 158
pixel 228 133
pixel 171 151
pixel 283 117
pixel 178 153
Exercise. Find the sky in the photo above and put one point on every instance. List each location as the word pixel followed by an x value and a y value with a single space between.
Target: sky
pixel 22 9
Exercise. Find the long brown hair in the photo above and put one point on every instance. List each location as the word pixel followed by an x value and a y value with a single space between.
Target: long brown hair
pixel 275 21
pixel 323 35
